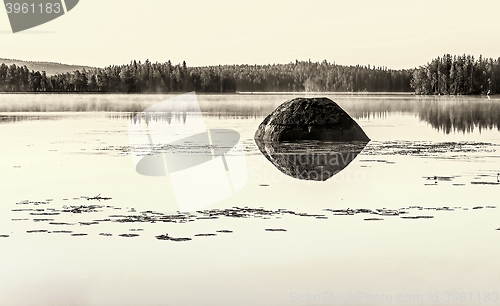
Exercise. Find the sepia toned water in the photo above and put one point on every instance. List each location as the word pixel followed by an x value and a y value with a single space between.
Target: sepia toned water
pixel 411 218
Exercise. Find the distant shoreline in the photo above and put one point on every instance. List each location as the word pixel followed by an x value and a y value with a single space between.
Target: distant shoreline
pixel 246 93
pixel 242 93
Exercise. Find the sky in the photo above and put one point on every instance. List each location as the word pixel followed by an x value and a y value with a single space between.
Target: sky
pixel 396 34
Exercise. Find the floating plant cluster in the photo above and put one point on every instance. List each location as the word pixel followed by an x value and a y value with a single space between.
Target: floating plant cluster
pixel 428 149
pixel 401 212
pixel 478 179
pixel 48 216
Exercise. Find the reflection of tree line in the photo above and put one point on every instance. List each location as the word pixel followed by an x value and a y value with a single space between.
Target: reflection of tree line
pixel 447 114
pixel 147 117
pixel 457 115
pixel 462 117
pixel 450 115
pixel 19 118
pixel 169 117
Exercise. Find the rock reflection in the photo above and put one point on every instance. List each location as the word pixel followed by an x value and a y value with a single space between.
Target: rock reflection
pixel 311 160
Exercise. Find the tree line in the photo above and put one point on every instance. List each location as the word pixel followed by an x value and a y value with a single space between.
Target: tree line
pixel 151 77
pixel 443 75
pixel 454 75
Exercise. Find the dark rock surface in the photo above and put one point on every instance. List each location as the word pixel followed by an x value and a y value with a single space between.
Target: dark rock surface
pixel 309 119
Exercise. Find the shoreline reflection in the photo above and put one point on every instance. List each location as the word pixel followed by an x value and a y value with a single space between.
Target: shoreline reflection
pixel 444 114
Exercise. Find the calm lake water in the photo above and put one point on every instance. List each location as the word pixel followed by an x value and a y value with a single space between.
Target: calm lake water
pixel 411 218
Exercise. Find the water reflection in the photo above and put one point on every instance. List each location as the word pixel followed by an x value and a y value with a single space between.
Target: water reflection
pixel 156 117
pixel 446 114
pixel 21 118
pixel 311 160
pixel 169 117
pixel 461 117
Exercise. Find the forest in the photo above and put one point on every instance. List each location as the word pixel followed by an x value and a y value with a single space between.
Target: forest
pixel 443 75
pixel 454 75
pixel 148 77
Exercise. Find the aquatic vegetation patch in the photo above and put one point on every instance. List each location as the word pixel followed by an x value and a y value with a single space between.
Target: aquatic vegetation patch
pixel 417 217
pixel 206 215
pixel 452 150
pixel 167 237
pixel 61 232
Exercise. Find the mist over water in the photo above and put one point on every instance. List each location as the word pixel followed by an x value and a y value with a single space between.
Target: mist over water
pixel 448 114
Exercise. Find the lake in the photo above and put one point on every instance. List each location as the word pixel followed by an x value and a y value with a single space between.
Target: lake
pixel 409 218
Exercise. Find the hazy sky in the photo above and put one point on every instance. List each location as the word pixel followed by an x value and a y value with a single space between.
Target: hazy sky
pixel 396 34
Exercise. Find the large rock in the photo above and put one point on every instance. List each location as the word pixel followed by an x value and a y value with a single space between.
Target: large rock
pixel 309 119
